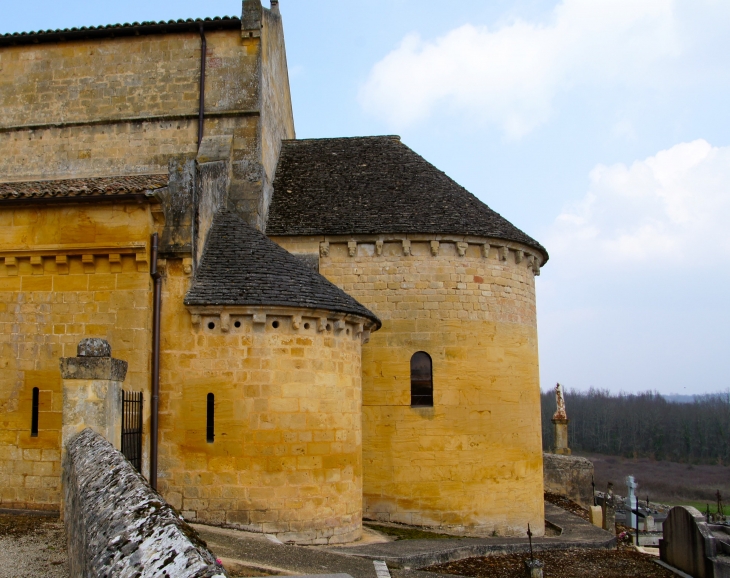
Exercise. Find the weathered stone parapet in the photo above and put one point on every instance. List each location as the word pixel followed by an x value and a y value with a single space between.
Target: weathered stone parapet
pixel 117 525
pixel 569 476
pixel 92 391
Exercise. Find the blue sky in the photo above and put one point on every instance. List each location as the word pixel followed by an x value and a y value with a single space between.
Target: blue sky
pixel 599 127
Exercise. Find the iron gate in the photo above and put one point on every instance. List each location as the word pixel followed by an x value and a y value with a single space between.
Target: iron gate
pixel 132 402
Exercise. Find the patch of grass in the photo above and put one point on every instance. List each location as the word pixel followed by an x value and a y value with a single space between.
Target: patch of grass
pixel 406 533
pixel 701 506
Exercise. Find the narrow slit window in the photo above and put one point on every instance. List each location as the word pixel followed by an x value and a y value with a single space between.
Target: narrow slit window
pixel 421 380
pixel 210 427
pixel 34 413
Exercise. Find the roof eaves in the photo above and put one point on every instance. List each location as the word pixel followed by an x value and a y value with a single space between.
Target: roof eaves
pixel 121 30
pixel 95 189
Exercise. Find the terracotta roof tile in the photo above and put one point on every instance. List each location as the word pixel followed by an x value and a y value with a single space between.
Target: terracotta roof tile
pixel 375 185
pixel 91 187
pixel 115 30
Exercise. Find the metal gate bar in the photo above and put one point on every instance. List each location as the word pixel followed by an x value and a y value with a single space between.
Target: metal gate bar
pixel 132 402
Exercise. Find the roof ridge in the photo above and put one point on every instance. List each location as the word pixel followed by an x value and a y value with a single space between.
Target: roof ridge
pixel 343 138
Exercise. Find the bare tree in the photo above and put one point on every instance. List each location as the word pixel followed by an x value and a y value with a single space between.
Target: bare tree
pixel 645 425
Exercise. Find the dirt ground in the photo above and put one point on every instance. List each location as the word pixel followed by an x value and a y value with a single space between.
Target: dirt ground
pixel 32 547
pixel 663 482
pixel 621 563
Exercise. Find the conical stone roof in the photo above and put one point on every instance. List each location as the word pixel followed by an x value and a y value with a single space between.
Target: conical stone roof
pixel 375 185
pixel 241 266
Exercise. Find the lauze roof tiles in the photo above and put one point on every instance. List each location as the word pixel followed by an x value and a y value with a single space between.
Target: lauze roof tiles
pixel 375 185
pixel 241 266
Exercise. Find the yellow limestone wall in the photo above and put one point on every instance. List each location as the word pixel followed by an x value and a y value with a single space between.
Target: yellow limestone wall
pixel 122 105
pixel 473 462
pixel 130 105
pixel 66 273
pixel 287 456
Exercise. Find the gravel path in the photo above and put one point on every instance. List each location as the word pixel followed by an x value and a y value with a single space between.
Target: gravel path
pixel 32 547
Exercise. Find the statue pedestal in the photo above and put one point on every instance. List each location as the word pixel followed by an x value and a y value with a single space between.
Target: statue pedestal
pixel 560 428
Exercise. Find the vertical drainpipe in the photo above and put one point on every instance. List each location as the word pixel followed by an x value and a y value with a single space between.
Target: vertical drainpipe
pixel 157 297
pixel 156 306
pixel 201 109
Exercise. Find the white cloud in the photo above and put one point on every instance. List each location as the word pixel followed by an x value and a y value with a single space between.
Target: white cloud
pixel 669 209
pixel 509 76
pixel 624 129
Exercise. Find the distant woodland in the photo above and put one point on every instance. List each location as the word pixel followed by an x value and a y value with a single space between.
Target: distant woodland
pixel 644 425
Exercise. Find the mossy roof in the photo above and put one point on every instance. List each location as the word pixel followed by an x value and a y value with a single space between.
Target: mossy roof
pixel 375 185
pixel 241 266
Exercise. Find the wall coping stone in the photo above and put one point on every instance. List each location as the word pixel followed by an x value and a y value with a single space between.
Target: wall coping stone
pixel 106 368
pixel 117 525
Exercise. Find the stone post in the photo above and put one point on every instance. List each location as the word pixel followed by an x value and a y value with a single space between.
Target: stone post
pixel 649 524
pixel 92 392
pixel 609 510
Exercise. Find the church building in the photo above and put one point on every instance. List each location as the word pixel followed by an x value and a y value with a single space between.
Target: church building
pixel 317 331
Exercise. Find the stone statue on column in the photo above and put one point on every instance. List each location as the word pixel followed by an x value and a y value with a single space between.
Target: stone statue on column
pixel 560 424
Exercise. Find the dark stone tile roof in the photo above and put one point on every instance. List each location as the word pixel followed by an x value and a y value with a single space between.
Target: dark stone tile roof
pixel 116 30
pixel 92 187
pixel 374 185
pixel 241 266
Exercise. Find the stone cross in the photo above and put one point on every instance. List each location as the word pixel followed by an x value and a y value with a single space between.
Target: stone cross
pixel 631 500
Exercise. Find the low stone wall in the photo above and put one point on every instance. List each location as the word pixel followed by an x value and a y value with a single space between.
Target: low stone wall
pixel 569 476
pixel 117 525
